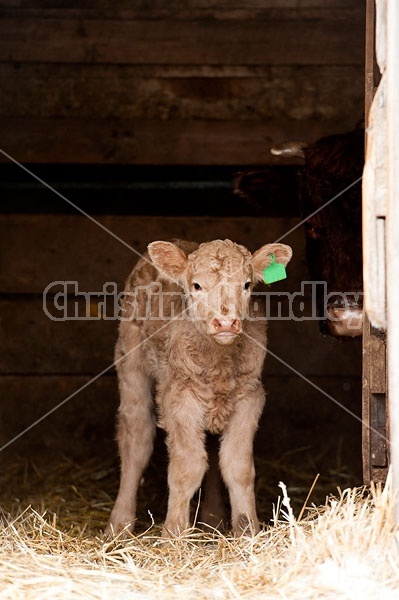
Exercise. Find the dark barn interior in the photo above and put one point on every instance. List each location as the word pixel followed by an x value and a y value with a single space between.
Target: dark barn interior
pixel 127 122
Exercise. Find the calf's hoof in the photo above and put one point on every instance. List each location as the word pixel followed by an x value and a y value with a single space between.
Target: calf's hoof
pixel 173 530
pixel 120 530
pixel 245 525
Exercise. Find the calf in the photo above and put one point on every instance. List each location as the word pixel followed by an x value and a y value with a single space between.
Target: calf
pixel 190 337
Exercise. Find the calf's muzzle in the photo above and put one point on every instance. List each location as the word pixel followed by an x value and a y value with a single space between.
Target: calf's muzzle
pixel 225 329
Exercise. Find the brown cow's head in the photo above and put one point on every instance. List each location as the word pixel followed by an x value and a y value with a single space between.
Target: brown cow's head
pixel 334 233
pixel 332 211
pixel 217 280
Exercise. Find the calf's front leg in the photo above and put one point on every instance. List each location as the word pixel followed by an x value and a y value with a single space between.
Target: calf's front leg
pixel 187 464
pixel 237 465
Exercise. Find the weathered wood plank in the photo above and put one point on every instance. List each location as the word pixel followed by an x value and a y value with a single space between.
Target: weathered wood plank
pixel 392 233
pixel 85 424
pixel 378 436
pixel 32 342
pixel 167 41
pixel 222 93
pixel 366 408
pixel 297 416
pixel 156 10
pixel 43 71
pixel 38 249
pixel 378 374
pixel 374 405
pixel 176 5
pixel 181 142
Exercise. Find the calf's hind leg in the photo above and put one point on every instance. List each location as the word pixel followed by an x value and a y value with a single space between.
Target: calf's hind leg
pixel 136 432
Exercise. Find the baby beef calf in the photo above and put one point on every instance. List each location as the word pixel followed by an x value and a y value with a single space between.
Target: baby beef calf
pixel 189 359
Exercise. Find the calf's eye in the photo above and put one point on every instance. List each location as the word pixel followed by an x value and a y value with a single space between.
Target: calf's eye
pixel 196 286
pixel 247 285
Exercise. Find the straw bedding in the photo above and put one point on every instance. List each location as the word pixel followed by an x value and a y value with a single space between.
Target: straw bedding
pixel 53 548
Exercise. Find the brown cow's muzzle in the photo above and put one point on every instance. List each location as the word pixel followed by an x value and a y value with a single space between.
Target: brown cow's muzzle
pixel 224 329
pixel 344 320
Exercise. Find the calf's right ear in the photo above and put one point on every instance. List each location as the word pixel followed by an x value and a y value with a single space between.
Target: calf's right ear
pixel 168 258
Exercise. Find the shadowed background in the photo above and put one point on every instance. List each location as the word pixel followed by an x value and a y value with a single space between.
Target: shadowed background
pixel 142 114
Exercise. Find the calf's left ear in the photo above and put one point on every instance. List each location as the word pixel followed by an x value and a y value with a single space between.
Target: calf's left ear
pixel 168 258
pixel 262 258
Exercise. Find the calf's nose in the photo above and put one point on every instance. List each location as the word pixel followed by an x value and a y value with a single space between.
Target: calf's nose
pixel 223 324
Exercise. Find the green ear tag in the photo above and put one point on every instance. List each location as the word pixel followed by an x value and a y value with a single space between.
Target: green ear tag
pixel 274 272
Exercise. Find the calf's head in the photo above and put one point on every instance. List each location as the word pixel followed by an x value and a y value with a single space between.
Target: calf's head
pixel 217 280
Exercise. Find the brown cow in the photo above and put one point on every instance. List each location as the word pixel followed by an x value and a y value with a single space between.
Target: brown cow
pixel 330 181
pixel 190 334
pixel 330 202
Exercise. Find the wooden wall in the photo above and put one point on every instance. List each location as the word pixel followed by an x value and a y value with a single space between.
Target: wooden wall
pixel 48 365
pixel 190 83
pixel 170 83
